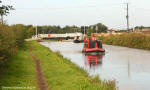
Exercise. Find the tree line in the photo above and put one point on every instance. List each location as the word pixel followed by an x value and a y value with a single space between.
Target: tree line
pixel 72 29
pixel 141 27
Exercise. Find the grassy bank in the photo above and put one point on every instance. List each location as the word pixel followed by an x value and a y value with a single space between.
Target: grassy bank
pixel 19 71
pixel 61 74
pixel 132 40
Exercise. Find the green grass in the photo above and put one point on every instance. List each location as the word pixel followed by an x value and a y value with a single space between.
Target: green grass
pixel 61 74
pixel 20 71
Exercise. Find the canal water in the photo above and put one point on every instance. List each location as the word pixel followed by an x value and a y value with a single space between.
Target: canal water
pixel 129 67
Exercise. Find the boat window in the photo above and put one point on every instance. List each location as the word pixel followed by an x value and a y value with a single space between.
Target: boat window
pixel 92 44
pixel 99 44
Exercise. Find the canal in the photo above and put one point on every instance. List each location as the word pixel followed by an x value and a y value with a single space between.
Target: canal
pixel 129 67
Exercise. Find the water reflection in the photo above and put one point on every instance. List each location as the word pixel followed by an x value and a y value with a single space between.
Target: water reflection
pixel 93 61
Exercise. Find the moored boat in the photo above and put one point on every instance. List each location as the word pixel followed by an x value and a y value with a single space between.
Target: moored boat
pixel 77 39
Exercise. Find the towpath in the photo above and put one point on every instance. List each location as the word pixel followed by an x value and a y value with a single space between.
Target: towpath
pixel 42 85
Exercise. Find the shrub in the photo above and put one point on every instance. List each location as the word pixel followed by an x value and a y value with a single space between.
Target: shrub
pixel 11 38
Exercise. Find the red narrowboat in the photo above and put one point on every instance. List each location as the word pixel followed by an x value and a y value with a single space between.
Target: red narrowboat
pixel 93 46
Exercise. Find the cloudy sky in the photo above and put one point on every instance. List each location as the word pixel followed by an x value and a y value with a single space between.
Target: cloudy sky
pixel 79 12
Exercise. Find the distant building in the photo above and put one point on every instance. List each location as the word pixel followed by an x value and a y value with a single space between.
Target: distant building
pixel 111 31
pixel 142 29
pixel 146 31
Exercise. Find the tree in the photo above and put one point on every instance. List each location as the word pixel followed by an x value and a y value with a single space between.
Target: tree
pixel 4 10
pixel 101 27
pixel 29 31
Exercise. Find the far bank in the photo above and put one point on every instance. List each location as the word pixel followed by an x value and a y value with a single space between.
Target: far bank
pixel 131 40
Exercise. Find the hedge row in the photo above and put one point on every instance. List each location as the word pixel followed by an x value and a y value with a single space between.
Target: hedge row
pixel 132 40
pixel 11 38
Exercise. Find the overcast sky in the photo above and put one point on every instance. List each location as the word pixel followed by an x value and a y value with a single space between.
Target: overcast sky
pixel 79 12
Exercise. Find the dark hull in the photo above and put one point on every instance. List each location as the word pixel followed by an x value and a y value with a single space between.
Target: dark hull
pixel 93 51
pixel 77 41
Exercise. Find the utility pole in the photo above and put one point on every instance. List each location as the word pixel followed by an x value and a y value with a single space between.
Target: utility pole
pixel 96 28
pixel 36 32
pixel 127 17
pixel 84 31
pixel 83 28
